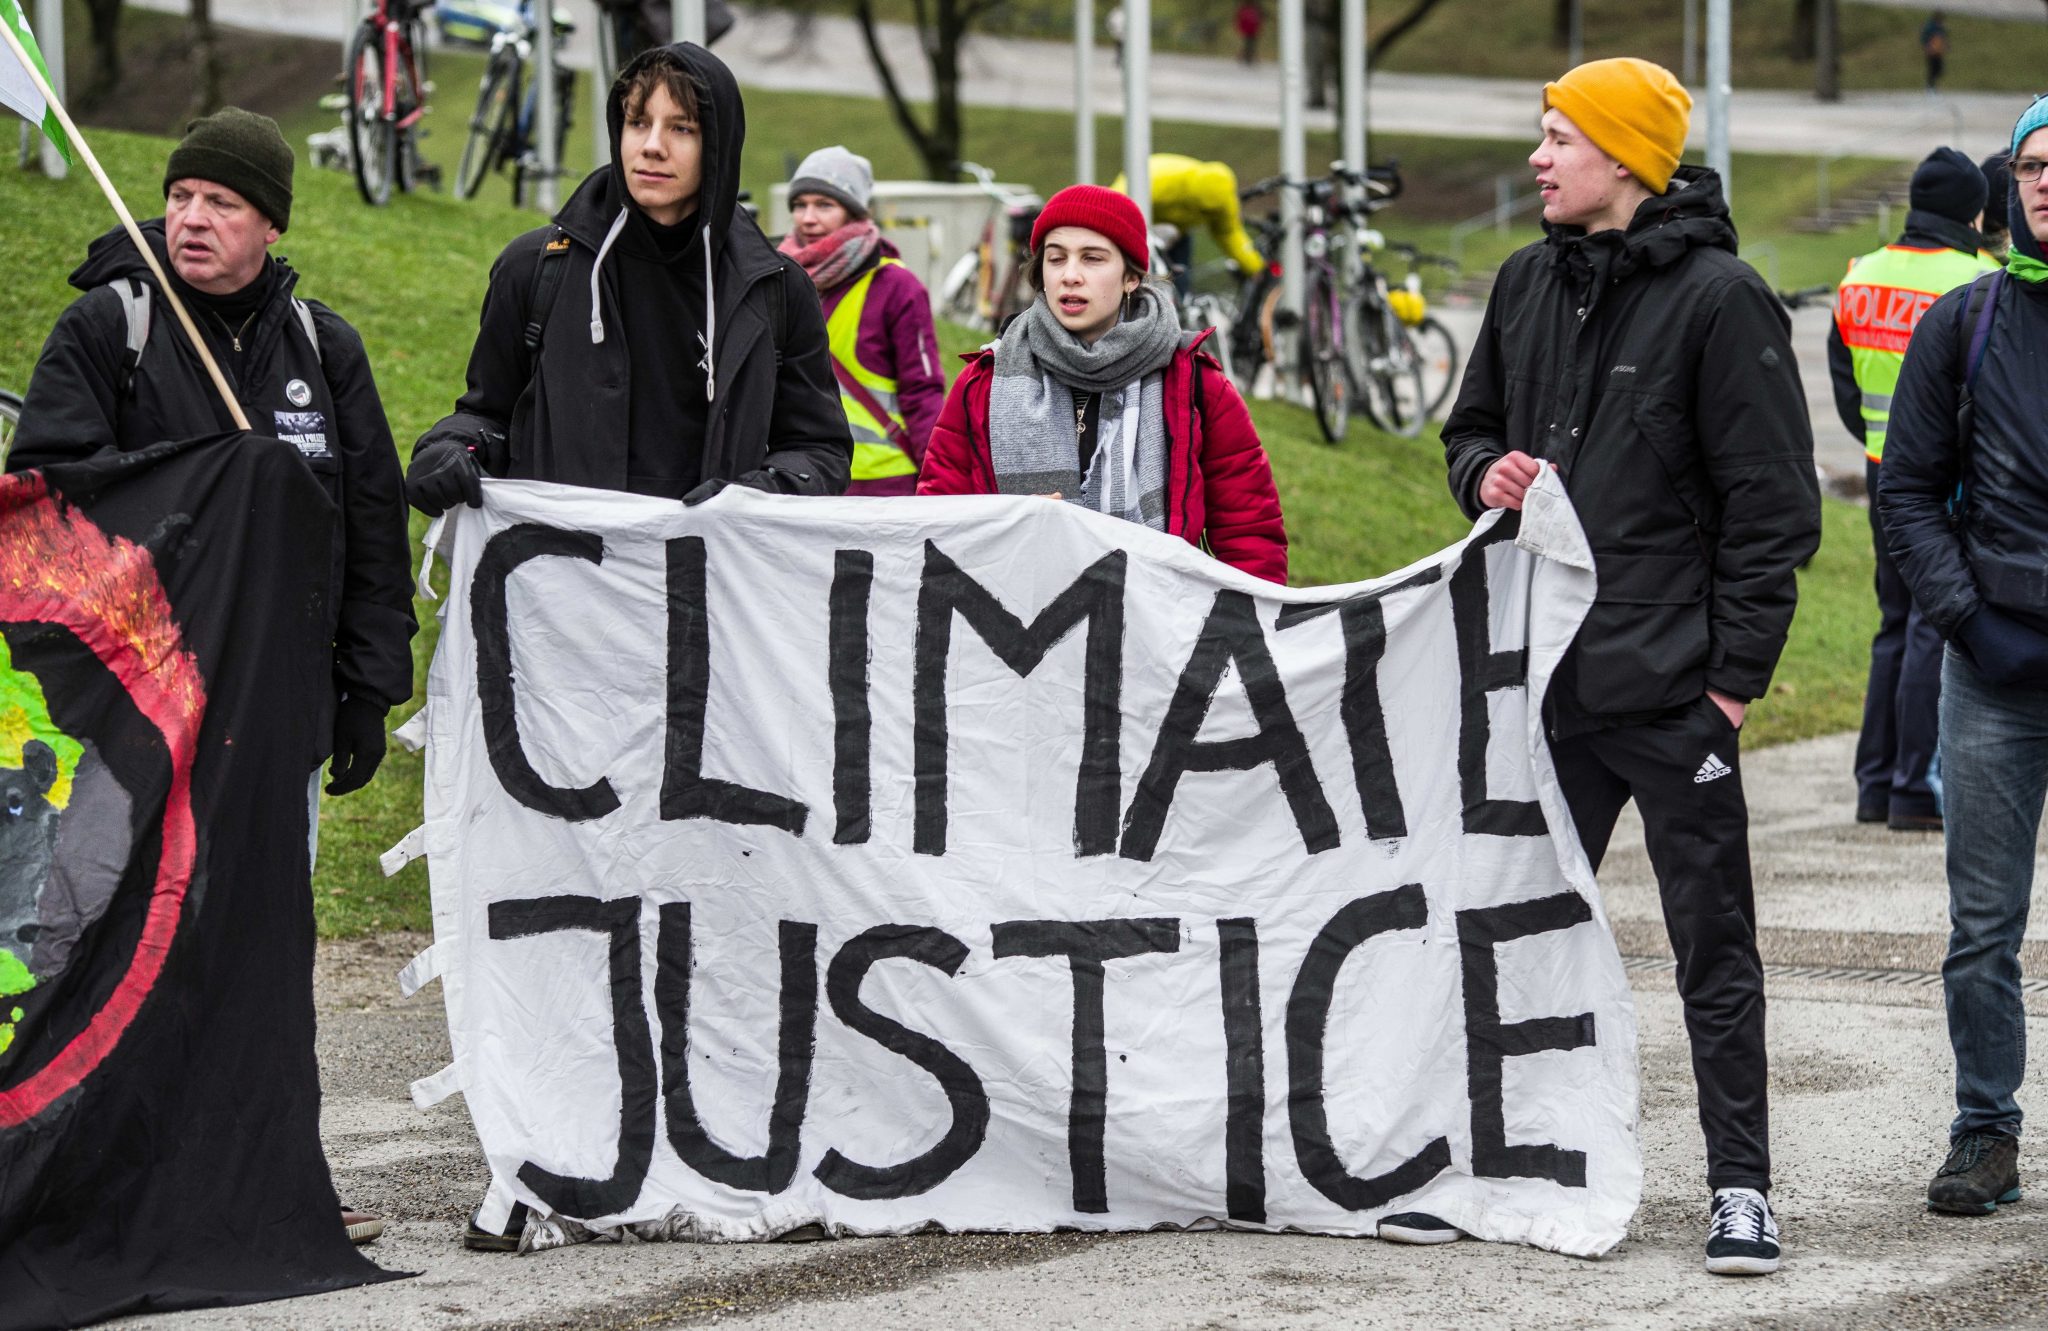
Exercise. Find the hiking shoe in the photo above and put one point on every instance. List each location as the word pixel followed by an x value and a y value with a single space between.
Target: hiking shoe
pixel 478 1239
pixel 1914 822
pixel 1982 1170
pixel 1416 1227
pixel 362 1227
pixel 1742 1238
pixel 1872 813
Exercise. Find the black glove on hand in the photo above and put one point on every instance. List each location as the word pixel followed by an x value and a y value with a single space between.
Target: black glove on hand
pixel 2005 650
pixel 358 745
pixel 705 491
pixel 443 474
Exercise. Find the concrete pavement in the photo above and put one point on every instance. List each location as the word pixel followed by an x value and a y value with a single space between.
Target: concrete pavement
pixel 1852 926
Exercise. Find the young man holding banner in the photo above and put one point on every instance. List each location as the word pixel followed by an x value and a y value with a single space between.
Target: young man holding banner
pixel 1634 354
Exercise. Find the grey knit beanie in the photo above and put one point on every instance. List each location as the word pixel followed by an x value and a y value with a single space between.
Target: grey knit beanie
pixel 844 175
pixel 242 150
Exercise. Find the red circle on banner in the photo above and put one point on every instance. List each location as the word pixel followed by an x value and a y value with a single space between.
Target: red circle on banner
pixel 57 567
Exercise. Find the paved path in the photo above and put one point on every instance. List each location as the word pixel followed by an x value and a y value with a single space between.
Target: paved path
pixel 766 51
pixel 1852 928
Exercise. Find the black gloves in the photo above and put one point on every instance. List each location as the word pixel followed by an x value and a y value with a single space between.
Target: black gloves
pixel 358 744
pixel 705 491
pixel 768 480
pixel 444 473
pixel 2005 650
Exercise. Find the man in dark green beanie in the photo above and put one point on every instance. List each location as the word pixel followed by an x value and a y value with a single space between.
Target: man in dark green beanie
pixel 119 373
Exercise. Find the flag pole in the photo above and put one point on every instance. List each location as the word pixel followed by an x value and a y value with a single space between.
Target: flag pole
pixel 128 221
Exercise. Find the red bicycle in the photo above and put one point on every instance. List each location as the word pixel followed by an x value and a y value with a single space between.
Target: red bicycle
pixel 386 89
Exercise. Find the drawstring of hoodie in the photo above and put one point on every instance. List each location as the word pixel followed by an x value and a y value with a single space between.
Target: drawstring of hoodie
pixel 610 237
pixel 710 322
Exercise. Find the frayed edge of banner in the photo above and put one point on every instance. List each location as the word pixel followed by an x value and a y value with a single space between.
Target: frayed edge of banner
pixel 430 1091
pixel 409 848
pixel 421 971
pixel 413 734
pixel 1550 525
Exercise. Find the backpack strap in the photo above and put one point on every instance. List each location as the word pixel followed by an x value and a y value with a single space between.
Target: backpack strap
pixel 305 313
pixel 134 298
pixel 540 297
pixel 778 319
pixel 1976 316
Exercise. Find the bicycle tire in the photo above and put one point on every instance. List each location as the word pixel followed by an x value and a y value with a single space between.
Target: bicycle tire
pixel 372 135
pixel 490 125
pixel 962 290
pixel 410 97
pixel 1438 351
pixel 10 418
pixel 1204 312
pixel 1388 367
pixel 1323 361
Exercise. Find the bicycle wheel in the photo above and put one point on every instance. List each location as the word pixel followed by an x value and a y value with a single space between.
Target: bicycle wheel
pixel 1207 311
pixel 1388 367
pixel 1439 354
pixel 490 125
pixel 372 135
pixel 960 299
pixel 1322 361
pixel 10 417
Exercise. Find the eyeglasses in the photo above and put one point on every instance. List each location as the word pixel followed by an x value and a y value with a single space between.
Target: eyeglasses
pixel 2027 169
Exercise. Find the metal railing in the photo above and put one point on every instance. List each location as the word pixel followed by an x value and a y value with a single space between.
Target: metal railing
pixel 1859 147
pixel 1506 207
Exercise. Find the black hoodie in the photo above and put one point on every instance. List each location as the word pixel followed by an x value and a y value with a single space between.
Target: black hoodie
pixel 1656 370
pixel 327 404
pixel 590 412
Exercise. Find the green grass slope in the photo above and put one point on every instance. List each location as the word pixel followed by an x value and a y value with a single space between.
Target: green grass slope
pixel 411 277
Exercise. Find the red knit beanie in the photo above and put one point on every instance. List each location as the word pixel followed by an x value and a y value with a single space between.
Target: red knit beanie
pixel 1114 215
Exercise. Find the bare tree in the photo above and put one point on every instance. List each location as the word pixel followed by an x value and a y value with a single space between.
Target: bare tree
pixel 1406 24
pixel 942 29
pixel 1827 48
pixel 104 19
pixel 205 51
pixel 1805 18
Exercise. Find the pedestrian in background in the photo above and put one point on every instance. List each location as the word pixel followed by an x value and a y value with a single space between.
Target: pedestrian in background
pixel 1250 20
pixel 878 320
pixel 1965 500
pixel 1934 46
pixel 1880 302
pixel 1095 395
pixel 1631 351
pixel 1997 169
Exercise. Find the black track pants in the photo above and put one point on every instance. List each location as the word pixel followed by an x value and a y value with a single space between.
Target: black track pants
pixel 1684 771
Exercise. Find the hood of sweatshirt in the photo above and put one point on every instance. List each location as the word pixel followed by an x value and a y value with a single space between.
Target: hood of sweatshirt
pixel 601 207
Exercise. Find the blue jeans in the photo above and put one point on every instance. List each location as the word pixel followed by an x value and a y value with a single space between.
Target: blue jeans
pixel 1994 767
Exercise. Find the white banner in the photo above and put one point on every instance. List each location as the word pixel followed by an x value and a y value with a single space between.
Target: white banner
pixel 988 863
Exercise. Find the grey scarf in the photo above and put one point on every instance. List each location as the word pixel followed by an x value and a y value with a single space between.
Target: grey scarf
pixel 1034 436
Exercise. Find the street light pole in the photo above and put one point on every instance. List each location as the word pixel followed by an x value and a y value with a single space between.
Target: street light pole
pixel 1690 57
pixel 1578 33
pixel 689 21
pixel 50 37
pixel 1084 91
pixel 1138 103
pixel 1352 61
pixel 1293 147
pixel 1719 89
pixel 548 127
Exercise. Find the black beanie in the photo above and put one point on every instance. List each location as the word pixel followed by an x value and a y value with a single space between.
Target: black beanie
pixel 242 150
pixel 1997 169
pixel 1949 185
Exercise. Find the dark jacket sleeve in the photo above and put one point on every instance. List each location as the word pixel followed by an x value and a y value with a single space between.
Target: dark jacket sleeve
pixel 497 361
pixel 1842 375
pixel 951 465
pixel 1922 460
pixel 914 347
pixel 1758 449
pixel 809 444
pixel 1241 504
pixel 1475 433
pixel 69 411
pixel 373 633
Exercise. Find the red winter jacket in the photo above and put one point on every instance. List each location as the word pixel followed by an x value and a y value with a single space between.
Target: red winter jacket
pixel 1219 485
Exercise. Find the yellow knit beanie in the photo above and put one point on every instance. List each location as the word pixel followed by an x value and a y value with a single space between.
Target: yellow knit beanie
pixel 1632 110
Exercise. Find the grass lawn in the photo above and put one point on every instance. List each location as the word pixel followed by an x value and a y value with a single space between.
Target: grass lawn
pixel 411 276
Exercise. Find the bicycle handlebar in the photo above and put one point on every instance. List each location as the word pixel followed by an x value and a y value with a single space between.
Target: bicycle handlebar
pixel 1806 295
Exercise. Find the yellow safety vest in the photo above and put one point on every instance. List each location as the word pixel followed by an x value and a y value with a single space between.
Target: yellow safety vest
pixel 874 456
pixel 1876 311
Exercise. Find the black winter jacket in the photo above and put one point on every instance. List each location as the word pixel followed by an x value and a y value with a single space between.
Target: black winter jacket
pixel 328 405
pixel 2001 554
pixel 775 421
pixel 1655 369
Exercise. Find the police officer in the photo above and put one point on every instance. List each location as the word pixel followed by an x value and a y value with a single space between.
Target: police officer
pixel 118 373
pixel 1879 305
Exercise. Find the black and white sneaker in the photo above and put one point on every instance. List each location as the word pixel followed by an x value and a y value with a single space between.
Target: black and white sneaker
pixel 1416 1227
pixel 1742 1239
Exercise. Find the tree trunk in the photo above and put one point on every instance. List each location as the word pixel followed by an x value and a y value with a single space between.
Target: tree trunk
pixel 942 147
pixel 1804 13
pixel 864 14
pixel 1827 61
pixel 1322 35
pixel 205 59
pixel 1401 28
pixel 105 20
pixel 1561 24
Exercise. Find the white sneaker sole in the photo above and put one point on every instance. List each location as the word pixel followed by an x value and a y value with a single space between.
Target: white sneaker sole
pixel 1402 1234
pixel 1741 1266
pixel 365 1231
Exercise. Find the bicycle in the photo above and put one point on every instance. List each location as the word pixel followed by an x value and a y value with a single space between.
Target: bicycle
pixel 1380 357
pixel 385 91
pixel 501 129
pixel 1434 344
pixel 971 293
pixel 1202 308
pixel 10 418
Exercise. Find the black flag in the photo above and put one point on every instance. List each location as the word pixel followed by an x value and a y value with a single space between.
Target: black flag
pixel 166 648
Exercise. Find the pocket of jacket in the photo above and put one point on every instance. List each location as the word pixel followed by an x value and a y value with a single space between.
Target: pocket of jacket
pixel 1643 646
pixel 1661 422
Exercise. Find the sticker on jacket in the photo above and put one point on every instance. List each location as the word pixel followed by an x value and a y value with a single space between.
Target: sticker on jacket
pixel 305 429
